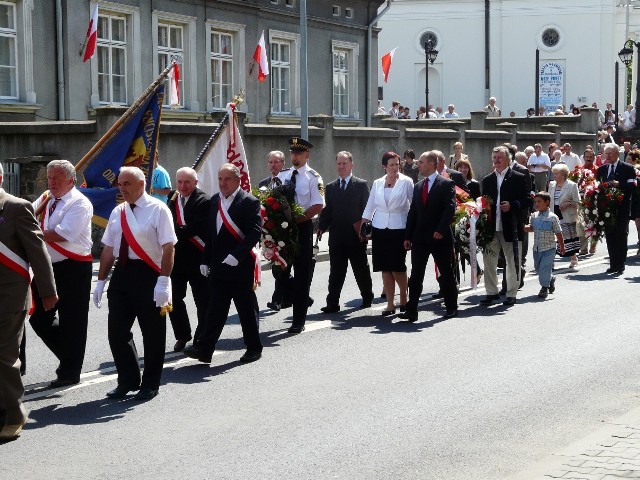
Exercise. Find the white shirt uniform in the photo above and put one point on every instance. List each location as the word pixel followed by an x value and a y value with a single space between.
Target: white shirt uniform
pixel 309 186
pixel 572 161
pixel 154 222
pixel 71 219
pixel 535 161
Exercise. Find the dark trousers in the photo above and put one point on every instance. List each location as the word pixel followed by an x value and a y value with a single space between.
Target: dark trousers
pixel 179 316
pixel 442 257
pixel 221 293
pixel 616 239
pixel 283 283
pixel 301 281
pixel 130 296
pixel 339 258
pixel 67 340
pixel 11 387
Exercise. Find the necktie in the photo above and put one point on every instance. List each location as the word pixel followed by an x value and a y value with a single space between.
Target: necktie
pixel 425 191
pixel 123 253
pixel 343 184
pixel 183 201
pixel 611 172
pixel 53 206
pixel 293 178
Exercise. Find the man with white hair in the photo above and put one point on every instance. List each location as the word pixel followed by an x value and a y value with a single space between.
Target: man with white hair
pixel 140 236
pixel 21 247
pixel 492 109
pixel 451 112
pixel 190 209
pixel 65 215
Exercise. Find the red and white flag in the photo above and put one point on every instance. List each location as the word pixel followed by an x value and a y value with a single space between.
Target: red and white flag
pixel 386 63
pixel 260 57
pixel 92 35
pixel 174 86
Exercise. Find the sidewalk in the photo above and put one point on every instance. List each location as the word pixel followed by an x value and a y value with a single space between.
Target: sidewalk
pixel 611 452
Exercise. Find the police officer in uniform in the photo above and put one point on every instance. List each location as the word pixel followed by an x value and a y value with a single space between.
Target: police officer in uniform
pixel 309 194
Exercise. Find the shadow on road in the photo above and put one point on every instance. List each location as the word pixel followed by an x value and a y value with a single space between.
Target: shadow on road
pixel 96 411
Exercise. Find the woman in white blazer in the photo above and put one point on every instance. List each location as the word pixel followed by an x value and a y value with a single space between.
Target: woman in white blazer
pixel 387 210
pixel 565 200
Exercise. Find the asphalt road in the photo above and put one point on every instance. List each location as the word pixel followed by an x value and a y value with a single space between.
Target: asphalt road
pixel 356 396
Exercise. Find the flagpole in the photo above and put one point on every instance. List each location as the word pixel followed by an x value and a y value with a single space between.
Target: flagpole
pixel 130 111
pixel 238 99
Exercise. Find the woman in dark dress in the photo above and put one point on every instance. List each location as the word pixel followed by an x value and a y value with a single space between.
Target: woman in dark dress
pixel 464 167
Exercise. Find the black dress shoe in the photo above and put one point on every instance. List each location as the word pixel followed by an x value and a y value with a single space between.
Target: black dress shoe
pixel 403 308
pixel 120 392
pixel 450 313
pixel 617 273
pixel 509 301
pixel 296 329
pixel 180 344
pixel 386 313
pixel 502 292
pixel 196 352
pixel 275 306
pixel 409 316
pixel 367 301
pixel 146 393
pixel 286 305
pixel 438 294
pixel 552 285
pixel 383 295
pixel 610 270
pixel 250 356
pixel 64 382
pixel 330 309
pixel 488 299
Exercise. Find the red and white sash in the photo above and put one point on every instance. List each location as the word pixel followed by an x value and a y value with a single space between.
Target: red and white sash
pixel 136 240
pixel 196 240
pixel 70 250
pixel 14 262
pixel 233 229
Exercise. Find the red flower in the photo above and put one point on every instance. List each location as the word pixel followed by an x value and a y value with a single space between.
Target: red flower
pixel 275 205
pixel 268 225
pixel 270 201
pixel 620 198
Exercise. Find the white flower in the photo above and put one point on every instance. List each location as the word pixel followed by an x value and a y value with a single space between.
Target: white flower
pixel 281 243
pixel 263 189
pixel 284 224
pixel 595 212
pixel 607 214
pixel 601 222
pixel 268 238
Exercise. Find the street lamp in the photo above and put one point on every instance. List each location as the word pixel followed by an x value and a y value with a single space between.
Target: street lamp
pixel 430 54
pixel 626 57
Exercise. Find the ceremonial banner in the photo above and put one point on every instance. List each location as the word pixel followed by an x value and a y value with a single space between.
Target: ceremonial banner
pixel 133 144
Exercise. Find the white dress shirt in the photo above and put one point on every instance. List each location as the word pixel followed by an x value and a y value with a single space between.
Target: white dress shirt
pixel 535 161
pixel 71 220
pixel 154 223
pixel 572 161
pixel 226 203
pixel 309 186
pixel 500 178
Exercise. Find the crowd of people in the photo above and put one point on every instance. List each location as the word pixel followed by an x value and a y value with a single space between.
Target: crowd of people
pixel 156 247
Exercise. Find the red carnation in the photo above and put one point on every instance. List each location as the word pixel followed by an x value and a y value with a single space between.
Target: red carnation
pixel 269 225
pixel 620 198
pixel 275 205
pixel 270 200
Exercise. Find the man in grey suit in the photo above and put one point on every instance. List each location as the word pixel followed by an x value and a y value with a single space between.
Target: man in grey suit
pixel 346 198
pixel 21 246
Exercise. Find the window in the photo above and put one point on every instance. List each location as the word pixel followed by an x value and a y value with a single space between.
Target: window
pixel 221 68
pixel 112 59
pixel 340 84
pixel 345 79
pixel 336 11
pixel 8 52
pixel 280 77
pixel 289 3
pixel 348 12
pixel 171 47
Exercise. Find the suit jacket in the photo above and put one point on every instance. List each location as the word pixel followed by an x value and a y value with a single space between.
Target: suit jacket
pixel 20 233
pixel 569 191
pixel 435 216
pixel 196 217
pixel 342 209
pixel 474 189
pixel 245 213
pixel 513 190
pixel 392 215
pixel 530 183
pixel 457 178
pixel 625 174
pixel 265 182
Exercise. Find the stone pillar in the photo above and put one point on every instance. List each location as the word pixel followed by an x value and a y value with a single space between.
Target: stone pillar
pixel 477 120
pixel 512 129
pixel 589 121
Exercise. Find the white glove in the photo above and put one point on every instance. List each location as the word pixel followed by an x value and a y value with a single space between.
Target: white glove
pixel 204 270
pixel 97 293
pixel 162 292
pixel 231 261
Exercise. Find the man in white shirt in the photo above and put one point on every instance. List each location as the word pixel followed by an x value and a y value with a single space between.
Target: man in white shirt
pixel 539 164
pixel 140 234
pixel 451 113
pixel 65 219
pixel 569 158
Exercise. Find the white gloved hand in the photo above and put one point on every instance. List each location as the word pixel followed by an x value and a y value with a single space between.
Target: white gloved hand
pixel 162 292
pixel 97 293
pixel 231 261
pixel 204 270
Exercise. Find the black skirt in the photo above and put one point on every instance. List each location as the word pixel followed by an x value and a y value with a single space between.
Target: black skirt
pixel 635 206
pixel 388 251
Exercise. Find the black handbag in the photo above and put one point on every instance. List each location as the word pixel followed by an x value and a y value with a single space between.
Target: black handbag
pixel 366 230
pixel 571 247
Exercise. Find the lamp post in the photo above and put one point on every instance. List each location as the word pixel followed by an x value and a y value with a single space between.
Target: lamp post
pixel 430 55
pixel 626 56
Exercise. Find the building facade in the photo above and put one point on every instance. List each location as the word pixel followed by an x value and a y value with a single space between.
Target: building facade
pixel 488 48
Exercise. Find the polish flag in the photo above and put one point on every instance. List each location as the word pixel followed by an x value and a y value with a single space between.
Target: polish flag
pixel 386 63
pixel 260 57
pixel 174 86
pixel 92 35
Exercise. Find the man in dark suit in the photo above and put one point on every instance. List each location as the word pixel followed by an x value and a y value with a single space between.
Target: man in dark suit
pixel 190 210
pixel 447 172
pixel 229 261
pixel 508 192
pixel 619 175
pixel 21 246
pixel 346 198
pixel 429 232
pixel 275 164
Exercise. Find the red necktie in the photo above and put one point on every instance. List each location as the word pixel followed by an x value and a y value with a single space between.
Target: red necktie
pixel 425 191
